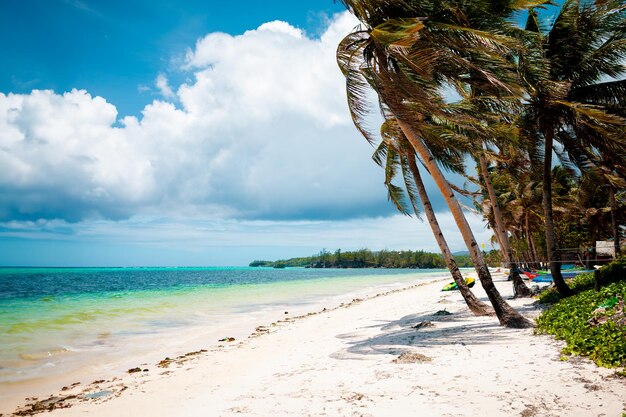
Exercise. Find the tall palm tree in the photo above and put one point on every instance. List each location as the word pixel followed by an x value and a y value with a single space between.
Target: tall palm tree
pixel 393 153
pixel 406 57
pixel 520 289
pixel 569 102
pixel 519 189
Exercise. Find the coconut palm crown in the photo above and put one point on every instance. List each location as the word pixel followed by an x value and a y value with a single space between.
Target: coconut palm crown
pixel 406 52
pixel 576 97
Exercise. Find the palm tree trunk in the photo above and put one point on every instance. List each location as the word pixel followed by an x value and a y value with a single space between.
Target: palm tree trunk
pixel 614 225
pixel 531 242
pixel 594 237
pixel 553 253
pixel 473 303
pixel 506 314
pixel 519 288
pixel 492 225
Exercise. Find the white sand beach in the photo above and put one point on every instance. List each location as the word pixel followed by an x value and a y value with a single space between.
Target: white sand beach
pixel 344 362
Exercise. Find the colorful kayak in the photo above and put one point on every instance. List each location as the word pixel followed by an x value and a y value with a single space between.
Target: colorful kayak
pixel 452 286
pixel 542 278
pixel 530 275
pixel 568 274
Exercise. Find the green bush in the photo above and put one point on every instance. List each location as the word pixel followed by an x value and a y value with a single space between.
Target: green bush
pixel 567 320
pixel 579 283
pixel 615 271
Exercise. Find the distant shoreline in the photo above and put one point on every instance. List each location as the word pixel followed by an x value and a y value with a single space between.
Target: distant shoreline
pixel 365 258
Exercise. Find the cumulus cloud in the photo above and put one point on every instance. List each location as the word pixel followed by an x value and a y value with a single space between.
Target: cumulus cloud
pixel 164 87
pixel 261 131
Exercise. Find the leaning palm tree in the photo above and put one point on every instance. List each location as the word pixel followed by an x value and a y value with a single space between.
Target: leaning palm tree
pixel 520 289
pixel 497 128
pixel 406 59
pixel 569 100
pixel 396 154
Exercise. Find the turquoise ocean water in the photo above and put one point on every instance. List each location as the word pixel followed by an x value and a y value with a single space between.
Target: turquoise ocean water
pixel 54 320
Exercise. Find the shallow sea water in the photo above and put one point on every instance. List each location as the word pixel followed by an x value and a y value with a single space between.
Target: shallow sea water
pixel 54 320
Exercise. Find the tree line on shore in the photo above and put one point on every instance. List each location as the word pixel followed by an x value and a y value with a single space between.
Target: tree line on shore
pixel 364 258
pixel 540 110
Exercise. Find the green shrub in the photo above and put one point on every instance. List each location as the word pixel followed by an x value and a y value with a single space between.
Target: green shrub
pixel 567 320
pixel 579 283
pixel 615 271
pixel 549 296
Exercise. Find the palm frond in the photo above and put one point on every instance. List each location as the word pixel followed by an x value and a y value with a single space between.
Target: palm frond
pixel 611 95
pixel 349 58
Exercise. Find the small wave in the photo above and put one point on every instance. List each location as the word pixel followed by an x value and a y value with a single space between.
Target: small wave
pixel 36 357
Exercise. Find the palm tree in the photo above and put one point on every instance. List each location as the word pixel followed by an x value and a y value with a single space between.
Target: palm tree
pixel 568 100
pixel 520 289
pixel 406 59
pixel 395 152
pixel 518 187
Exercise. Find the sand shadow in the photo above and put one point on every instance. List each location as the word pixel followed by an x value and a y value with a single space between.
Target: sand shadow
pixel 399 336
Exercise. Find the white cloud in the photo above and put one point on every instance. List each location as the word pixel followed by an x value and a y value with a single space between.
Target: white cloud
pixel 278 26
pixel 262 132
pixel 164 87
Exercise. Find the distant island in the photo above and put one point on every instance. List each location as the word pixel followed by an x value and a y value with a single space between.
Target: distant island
pixel 365 258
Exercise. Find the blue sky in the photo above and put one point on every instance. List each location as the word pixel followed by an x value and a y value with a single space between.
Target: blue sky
pixel 185 133
pixel 111 47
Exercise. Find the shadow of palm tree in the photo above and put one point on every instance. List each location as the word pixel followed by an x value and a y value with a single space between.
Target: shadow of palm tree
pixel 397 336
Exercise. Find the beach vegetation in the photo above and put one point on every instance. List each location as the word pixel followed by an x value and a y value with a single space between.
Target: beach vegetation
pixel 582 212
pixel 575 101
pixel 364 258
pixel 571 319
pixel 608 274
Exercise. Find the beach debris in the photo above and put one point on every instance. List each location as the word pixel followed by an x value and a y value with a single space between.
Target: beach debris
pixel 48 404
pixel 227 339
pixel 611 309
pixel 422 324
pixel 197 352
pixel 355 396
pixel 133 370
pixel 286 312
pixel 443 312
pixel 592 387
pixel 529 411
pixel 98 381
pixel 98 394
pixel 260 330
pixel 412 357
pixel 619 374
pixel 165 362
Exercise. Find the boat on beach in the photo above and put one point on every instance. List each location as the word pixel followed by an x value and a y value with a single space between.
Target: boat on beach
pixel 452 285
pixel 547 277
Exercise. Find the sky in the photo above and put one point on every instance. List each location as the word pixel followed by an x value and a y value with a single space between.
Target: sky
pixel 186 133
